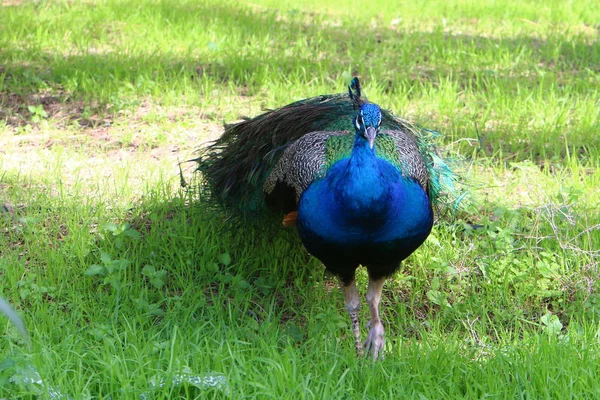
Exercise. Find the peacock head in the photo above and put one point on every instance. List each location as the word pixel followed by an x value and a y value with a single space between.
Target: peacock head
pixel 368 122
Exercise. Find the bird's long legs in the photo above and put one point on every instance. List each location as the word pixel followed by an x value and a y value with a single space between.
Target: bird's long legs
pixel 353 305
pixel 375 341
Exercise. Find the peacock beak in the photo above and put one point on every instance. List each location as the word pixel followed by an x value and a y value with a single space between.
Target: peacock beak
pixel 370 133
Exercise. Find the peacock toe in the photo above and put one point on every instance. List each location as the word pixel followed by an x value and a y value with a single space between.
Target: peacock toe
pixel 375 342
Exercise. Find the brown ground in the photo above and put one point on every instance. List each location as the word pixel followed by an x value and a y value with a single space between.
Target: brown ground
pixel 82 146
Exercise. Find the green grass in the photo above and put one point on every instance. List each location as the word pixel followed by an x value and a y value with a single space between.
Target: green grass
pixel 132 287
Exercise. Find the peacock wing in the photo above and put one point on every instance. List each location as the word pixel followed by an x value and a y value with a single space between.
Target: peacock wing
pixel 401 149
pixel 301 163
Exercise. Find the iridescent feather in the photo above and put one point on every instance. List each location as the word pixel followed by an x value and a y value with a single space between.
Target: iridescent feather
pixel 358 182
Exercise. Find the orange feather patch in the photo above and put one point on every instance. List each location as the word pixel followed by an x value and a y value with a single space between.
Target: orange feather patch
pixel 290 219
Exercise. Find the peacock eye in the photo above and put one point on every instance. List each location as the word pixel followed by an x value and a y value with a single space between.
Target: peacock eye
pixel 359 122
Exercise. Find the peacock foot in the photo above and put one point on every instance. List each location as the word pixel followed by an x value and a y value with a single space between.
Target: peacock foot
pixel 375 341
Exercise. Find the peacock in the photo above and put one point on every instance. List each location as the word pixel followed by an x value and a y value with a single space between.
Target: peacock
pixel 358 183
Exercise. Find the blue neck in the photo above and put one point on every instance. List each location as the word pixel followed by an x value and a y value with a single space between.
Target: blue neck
pixel 361 191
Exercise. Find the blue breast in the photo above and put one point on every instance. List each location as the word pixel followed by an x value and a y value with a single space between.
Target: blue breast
pixel 364 212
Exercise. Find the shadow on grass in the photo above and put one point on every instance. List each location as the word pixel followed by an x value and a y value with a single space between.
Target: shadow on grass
pixel 187 260
pixel 89 85
pixel 253 265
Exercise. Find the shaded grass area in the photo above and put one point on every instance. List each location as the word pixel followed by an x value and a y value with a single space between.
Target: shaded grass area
pixel 526 88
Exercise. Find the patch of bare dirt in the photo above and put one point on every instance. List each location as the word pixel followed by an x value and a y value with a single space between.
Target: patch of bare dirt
pixel 147 146
pixel 15 109
pixel 13 3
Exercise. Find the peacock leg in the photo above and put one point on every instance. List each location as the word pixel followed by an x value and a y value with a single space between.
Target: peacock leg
pixel 352 301
pixel 375 341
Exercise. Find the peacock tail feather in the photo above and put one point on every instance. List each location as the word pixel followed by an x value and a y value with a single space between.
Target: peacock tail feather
pixel 236 165
pixel 243 167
